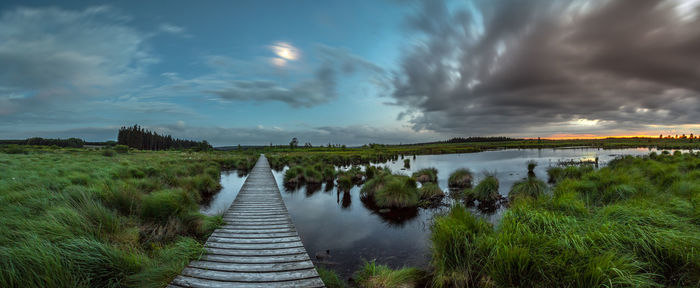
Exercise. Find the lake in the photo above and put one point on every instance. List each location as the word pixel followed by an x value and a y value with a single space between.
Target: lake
pixel 327 219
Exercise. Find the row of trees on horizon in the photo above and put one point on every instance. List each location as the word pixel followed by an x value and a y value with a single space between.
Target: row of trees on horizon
pixel 139 138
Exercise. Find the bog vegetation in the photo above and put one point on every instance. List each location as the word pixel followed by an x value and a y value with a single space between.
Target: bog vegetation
pixel 84 218
pixel 635 223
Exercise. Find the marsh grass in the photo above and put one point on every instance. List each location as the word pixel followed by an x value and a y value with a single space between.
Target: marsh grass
pixel 486 192
pixel 631 224
pixel 426 175
pixel 330 278
pixel 460 178
pixel 430 191
pixel 397 192
pixel 529 187
pixel 74 218
pixel 372 275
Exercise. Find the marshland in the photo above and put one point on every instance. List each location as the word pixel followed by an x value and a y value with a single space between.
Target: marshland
pixel 119 216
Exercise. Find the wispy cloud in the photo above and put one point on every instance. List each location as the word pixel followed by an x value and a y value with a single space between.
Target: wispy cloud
pixel 174 30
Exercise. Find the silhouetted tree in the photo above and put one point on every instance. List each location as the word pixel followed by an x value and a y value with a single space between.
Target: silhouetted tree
pixel 294 143
pixel 139 138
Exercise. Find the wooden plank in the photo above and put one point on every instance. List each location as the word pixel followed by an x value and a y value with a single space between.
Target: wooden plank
pixel 257 247
pixel 252 267
pixel 184 281
pixel 273 276
pixel 268 252
pixel 253 240
pixel 255 259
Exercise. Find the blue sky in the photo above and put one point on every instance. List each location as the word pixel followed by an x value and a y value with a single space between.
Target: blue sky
pixel 352 72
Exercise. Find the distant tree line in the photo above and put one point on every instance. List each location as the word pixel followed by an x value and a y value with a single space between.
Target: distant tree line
pixel 480 139
pixel 70 142
pixel 139 138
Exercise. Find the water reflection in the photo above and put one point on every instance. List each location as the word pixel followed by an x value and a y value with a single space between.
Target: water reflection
pixel 231 183
pixel 354 229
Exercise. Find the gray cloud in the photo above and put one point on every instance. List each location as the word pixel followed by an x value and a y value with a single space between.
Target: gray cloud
pixel 52 56
pixel 524 67
pixel 318 89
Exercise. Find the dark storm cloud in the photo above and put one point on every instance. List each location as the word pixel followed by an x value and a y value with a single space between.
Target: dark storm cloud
pixel 318 89
pixel 551 67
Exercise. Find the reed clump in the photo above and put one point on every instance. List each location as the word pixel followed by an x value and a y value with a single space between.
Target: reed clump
pixel 631 224
pixel 461 178
pixel 426 175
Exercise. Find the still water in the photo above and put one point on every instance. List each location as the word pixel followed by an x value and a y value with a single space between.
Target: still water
pixel 352 231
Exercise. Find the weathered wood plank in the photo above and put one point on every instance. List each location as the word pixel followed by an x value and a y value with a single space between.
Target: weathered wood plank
pixel 257 247
pixel 249 276
pixel 252 267
pixel 185 281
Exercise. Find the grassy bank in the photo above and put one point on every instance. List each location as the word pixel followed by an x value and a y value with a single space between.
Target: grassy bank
pixel 104 218
pixel 281 156
pixel 635 223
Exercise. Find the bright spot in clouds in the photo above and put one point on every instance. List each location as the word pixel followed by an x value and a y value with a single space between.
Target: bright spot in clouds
pixel 584 122
pixel 285 52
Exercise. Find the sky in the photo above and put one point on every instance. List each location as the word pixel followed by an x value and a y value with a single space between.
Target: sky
pixel 349 72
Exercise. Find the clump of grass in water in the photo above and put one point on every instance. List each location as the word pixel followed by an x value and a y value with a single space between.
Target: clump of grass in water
pixel 397 192
pixel 372 275
pixel 531 166
pixel 407 163
pixel 486 192
pixel 431 191
pixel 426 175
pixel 461 178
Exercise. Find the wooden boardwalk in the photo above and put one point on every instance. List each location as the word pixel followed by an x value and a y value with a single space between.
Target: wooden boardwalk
pixel 257 247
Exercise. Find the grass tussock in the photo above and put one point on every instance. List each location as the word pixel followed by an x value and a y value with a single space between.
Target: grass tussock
pixel 426 175
pixel 372 275
pixel 486 192
pixel 75 218
pixel 387 190
pixel 626 225
pixel 461 178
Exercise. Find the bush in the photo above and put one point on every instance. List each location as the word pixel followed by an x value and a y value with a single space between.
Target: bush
pixel 461 178
pixel 107 152
pixel 121 149
pixel 14 149
pixel 426 175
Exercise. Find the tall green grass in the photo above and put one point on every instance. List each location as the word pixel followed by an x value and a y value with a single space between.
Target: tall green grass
pixel 372 275
pixel 631 224
pixel 74 218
